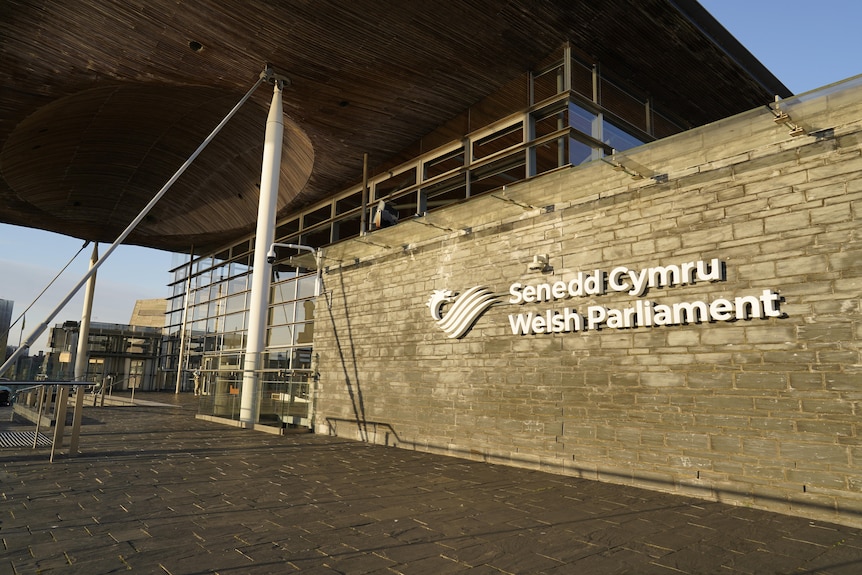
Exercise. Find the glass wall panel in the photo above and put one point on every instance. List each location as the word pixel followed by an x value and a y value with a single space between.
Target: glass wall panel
pixel 500 140
pixel 663 126
pixel 498 174
pixel 319 237
pixel 234 340
pixel 281 335
pixel 580 153
pixel 347 227
pixel 301 358
pixel 282 313
pixel 174 318
pixel 238 284
pixel 234 321
pixel 286 230
pixel 211 343
pixel 306 286
pixel 283 291
pixel 446 192
pixel 623 104
pixel 551 155
pixel 240 248
pixel 199 311
pixel 582 79
pixel 202 264
pixel 548 83
pixel 176 303
pixel 236 268
pixel 583 120
pixel 235 303
pixel 318 216
pixel 221 257
pixel 618 138
pixel 407 205
pixel 549 123
pixel 445 163
pixel 305 310
pixel 348 203
pixel 304 333
pixel 391 186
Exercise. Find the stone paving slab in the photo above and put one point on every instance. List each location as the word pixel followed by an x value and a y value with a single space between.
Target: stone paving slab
pixel 156 491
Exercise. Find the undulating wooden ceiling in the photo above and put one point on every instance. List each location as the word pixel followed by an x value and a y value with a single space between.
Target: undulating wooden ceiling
pixel 101 101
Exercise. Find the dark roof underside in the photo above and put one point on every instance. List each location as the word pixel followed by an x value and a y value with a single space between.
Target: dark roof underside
pixel 103 100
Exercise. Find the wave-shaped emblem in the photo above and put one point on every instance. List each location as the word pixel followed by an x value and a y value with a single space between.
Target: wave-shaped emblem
pixel 463 312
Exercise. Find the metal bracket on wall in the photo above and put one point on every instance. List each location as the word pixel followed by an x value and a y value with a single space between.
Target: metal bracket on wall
pixel 637 171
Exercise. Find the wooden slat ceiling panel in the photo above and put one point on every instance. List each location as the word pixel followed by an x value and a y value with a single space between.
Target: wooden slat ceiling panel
pixel 102 100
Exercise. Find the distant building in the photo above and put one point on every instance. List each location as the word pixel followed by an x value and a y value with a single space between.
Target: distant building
pixel 149 313
pixel 127 353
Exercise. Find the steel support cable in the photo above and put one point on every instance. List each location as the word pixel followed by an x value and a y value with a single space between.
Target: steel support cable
pixel 266 75
pixel 47 287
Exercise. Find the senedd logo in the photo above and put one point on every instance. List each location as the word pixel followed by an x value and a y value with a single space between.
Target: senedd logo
pixel 464 310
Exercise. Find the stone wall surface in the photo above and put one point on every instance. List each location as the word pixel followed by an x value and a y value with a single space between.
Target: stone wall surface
pixel 763 411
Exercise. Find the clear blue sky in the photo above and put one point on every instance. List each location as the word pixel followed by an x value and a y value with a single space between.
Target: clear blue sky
pixel 806 44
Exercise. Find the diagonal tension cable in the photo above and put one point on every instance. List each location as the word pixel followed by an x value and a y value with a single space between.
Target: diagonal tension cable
pixel 41 293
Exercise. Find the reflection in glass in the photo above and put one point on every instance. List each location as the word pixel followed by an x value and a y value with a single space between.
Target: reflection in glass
pixel 281 335
pixel 305 310
pixel 281 313
pixel 283 291
pixel 234 322
pixel 618 139
pixel 579 153
pixel 583 120
pixel 305 287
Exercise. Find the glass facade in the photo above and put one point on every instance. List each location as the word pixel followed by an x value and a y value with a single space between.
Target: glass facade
pixel 572 114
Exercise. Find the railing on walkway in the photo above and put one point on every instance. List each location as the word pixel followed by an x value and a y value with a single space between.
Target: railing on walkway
pixel 48 401
pixel 285 398
pixel 106 388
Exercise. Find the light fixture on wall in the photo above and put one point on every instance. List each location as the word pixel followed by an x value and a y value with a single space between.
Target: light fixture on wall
pixel 539 264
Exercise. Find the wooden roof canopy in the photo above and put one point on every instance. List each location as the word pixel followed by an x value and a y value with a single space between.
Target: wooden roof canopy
pixel 101 101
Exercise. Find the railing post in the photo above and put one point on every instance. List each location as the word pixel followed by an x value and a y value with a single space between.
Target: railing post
pixel 59 418
pixel 76 421
pixel 38 415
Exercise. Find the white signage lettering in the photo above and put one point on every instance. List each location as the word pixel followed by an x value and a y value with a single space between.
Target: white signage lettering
pixel 636 283
pixel 645 313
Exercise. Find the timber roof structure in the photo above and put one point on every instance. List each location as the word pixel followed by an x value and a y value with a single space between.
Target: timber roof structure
pixel 101 101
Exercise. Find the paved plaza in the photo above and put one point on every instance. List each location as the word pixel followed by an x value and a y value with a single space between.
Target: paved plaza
pixel 155 491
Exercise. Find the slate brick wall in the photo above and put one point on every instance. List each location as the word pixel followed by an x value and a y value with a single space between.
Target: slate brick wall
pixel 761 412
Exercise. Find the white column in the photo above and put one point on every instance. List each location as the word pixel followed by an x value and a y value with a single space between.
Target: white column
pixel 182 356
pixel 82 360
pixel 261 273
pixel 82 357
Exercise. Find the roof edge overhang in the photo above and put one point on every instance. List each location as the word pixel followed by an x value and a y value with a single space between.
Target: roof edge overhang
pixel 722 38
